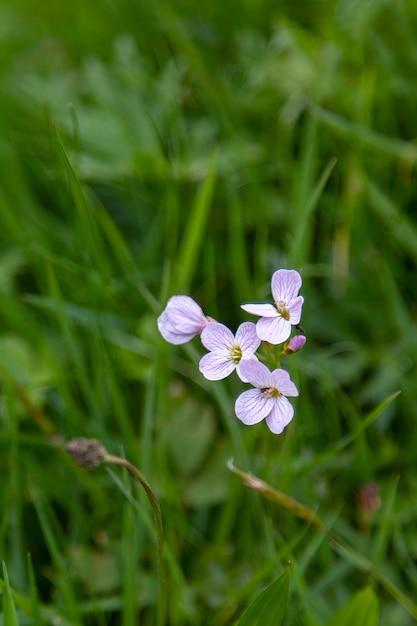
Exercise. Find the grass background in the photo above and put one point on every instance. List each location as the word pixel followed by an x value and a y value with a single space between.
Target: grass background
pixel 161 148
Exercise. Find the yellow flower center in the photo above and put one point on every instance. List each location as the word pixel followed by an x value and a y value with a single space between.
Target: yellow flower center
pixel 271 392
pixel 282 309
pixel 236 354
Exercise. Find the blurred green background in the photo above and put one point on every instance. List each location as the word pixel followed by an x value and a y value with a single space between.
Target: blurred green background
pixel 148 149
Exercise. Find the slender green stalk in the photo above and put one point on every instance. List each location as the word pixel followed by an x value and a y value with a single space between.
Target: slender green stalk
pixel 337 543
pixel 115 460
pixel 89 453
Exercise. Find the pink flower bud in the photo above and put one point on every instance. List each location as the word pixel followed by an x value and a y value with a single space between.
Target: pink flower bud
pixel 294 344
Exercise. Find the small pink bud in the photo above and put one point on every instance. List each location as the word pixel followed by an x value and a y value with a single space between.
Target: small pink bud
pixel 369 497
pixel 294 344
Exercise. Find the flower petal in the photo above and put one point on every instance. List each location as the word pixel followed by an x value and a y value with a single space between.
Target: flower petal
pixel 281 415
pixel 282 381
pixel 295 308
pixel 255 373
pixel 167 332
pixel 276 330
pixel 252 406
pixel 247 338
pixel 184 315
pixel 285 285
pixel 217 336
pixel 263 310
pixel 216 365
pixel 245 357
pixel 175 338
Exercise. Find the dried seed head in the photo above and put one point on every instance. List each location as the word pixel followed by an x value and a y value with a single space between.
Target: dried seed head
pixel 86 452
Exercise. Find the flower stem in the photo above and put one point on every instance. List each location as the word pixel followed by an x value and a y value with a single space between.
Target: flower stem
pixel 161 606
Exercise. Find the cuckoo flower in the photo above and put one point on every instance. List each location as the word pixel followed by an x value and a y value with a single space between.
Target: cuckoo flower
pixel 227 351
pixel 268 398
pixel 277 319
pixel 181 320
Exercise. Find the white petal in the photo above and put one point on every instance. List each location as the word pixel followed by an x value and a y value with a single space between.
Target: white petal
pixel 285 285
pixel 247 338
pixel 276 330
pixel 255 373
pixel 245 357
pixel 217 336
pixel 295 309
pixel 252 406
pixel 167 332
pixel 184 315
pixel 216 365
pixel 263 310
pixel 282 382
pixel 281 415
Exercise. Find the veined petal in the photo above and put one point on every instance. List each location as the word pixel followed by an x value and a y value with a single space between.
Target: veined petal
pixel 281 415
pixel 255 373
pixel 216 365
pixel 217 336
pixel 295 308
pixel 247 338
pixel 252 406
pixel 282 381
pixel 263 310
pixel 183 314
pixel 285 285
pixel 275 330
pixel 172 337
pixel 246 356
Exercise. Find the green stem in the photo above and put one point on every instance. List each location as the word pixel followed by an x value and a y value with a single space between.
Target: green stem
pixel 161 607
pixel 338 544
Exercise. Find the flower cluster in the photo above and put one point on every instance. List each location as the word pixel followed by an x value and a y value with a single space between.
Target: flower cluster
pixel 183 319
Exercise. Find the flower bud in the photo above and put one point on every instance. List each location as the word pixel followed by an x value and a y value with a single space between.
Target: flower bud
pixel 294 344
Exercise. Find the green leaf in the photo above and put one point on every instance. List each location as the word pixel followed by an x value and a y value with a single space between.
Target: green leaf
pixel 269 606
pixel 9 609
pixel 361 610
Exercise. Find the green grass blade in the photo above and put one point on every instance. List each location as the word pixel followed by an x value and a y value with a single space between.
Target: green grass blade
pixel 361 610
pixel 36 609
pixel 269 606
pixel 192 241
pixel 9 609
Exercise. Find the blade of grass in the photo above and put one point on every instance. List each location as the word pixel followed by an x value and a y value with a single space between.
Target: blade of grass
pixel 342 443
pixel 193 237
pixel 9 609
pixel 349 553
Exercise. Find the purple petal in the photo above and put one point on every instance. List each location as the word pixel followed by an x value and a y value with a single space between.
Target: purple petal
pixel 216 365
pixel 247 338
pixel 276 330
pixel 281 415
pixel 252 406
pixel 176 338
pixel 255 373
pixel 281 380
pixel 285 285
pixel 263 310
pixel 184 315
pixel 295 309
pixel 217 336
pixel 245 357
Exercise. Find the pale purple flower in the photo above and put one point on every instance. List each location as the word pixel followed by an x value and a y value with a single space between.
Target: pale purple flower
pixel 295 344
pixel 277 319
pixel 181 320
pixel 227 351
pixel 268 398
